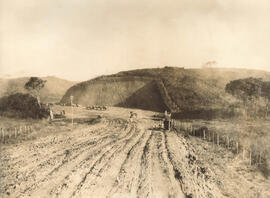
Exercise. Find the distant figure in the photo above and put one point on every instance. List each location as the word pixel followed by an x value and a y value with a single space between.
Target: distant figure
pixel 165 113
pixel 62 112
pixel 51 114
pixel 167 120
pixel 132 116
pixel 169 115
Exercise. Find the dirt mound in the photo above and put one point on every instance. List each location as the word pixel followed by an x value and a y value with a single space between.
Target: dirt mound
pixel 22 106
pixel 118 91
pixel 176 89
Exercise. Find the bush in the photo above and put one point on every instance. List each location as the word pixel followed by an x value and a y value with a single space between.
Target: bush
pixel 22 106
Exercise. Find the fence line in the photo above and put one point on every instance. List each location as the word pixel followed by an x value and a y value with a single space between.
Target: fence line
pixel 231 142
pixel 14 132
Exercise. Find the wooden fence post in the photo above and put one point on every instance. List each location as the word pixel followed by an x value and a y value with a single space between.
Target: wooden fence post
pixel 3 132
pixel 10 132
pixel 257 159
pixel 250 155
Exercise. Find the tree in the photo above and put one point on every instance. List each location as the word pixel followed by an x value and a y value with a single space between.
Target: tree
pixel 34 85
pixel 250 91
pixel 209 64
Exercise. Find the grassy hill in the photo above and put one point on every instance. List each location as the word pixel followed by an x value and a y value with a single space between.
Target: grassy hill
pixel 173 88
pixel 53 91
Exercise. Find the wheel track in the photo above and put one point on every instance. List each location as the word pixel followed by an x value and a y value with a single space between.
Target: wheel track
pixel 174 189
pixel 120 149
pixel 64 161
pixel 93 156
pixel 61 152
pixel 31 161
pixel 104 160
pixel 177 173
pixel 125 184
pixel 145 171
pixel 107 174
pixel 48 143
pixel 189 174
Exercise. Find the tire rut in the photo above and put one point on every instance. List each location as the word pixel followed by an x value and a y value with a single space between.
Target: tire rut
pixel 174 189
pixel 82 166
pixel 109 153
pixel 177 173
pixel 101 142
pixel 188 171
pixel 145 172
pixel 125 182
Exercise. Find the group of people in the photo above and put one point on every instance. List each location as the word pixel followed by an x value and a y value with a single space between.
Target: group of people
pixel 95 107
pixel 52 115
pixel 167 123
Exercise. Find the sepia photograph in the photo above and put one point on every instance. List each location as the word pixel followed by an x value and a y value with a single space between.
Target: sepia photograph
pixel 134 99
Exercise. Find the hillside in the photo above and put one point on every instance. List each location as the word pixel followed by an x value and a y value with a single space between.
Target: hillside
pixel 177 89
pixel 52 92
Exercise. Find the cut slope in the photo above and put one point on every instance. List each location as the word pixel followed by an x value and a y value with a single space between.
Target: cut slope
pixel 118 91
pixel 176 89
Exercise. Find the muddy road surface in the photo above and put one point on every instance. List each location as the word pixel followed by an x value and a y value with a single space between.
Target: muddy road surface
pixel 112 158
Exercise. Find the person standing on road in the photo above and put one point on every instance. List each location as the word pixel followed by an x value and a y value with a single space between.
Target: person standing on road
pixel 131 116
pixel 51 114
pixel 167 120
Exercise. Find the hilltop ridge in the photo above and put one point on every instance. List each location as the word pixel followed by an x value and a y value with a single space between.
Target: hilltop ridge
pixel 172 88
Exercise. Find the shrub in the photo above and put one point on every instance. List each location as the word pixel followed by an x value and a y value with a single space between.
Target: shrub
pixel 22 106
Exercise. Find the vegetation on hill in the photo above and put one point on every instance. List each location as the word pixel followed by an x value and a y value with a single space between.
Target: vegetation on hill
pixel 22 106
pixel 254 95
pixel 34 85
pixel 183 91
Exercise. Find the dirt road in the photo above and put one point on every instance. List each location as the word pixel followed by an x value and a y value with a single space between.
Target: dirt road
pixel 113 158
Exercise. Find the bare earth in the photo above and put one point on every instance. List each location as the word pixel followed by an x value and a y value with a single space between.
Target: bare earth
pixel 115 158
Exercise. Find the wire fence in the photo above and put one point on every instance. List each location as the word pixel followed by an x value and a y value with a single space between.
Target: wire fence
pixel 254 149
pixel 14 132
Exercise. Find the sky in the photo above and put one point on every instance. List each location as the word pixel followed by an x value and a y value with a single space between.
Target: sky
pixel 79 40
